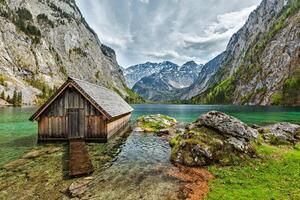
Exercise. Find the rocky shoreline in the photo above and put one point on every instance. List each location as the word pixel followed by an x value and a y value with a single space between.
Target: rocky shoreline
pixel 217 138
pixel 214 139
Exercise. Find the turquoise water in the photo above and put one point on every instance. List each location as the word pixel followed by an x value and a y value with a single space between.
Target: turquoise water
pixel 249 114
pixel 18 134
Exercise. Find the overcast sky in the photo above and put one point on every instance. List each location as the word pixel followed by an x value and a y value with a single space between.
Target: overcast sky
pixel 158 30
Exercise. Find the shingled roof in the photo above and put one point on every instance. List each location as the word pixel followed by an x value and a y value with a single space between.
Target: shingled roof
pixel 106 101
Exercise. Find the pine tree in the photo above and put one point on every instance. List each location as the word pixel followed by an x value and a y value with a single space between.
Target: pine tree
pixel 8 99
pixel 19 98
pixel 2 95
pixel 15 97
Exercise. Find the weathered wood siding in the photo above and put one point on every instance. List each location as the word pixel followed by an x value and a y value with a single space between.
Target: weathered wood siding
pixel 117 123
pixel 53 123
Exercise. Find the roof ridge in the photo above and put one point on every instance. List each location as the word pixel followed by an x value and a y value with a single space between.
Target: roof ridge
pixel 77 79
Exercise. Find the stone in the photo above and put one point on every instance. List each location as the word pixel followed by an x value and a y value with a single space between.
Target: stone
pixel 227 125
pixel 78 188
pixel 154 123
pixel 67 46
pixel 163 132
pixel 273 63
pixel 213 138
pixel 53 150
pixel 15 164
pixel 137 129
pixel 33 154
pixel 282 132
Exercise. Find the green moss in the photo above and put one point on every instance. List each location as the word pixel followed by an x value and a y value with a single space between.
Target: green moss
pixel 277 141
pixel 153 126
pixel 155 123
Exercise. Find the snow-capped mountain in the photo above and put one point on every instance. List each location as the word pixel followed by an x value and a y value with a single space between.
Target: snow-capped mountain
pixel 163 84
pixel 135 73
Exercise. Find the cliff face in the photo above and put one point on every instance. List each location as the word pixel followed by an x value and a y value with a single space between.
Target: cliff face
pixel 44 41
pixel 261 62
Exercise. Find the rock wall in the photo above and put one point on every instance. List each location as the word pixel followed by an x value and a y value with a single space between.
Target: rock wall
pixel 44 41
pixel 261 62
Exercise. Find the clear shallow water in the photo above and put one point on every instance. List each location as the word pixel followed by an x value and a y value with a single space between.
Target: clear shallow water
pixel 139 172
pixel 17 133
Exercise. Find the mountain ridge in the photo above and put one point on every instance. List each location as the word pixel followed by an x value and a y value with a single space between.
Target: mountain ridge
pixel 163 84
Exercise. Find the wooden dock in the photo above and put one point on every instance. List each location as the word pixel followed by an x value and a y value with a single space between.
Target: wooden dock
pixel 79 161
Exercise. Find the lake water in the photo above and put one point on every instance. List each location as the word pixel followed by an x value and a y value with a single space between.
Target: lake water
pixel 17 134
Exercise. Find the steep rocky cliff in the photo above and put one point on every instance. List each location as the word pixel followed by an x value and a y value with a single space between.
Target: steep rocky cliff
pixel 44 41
pixel 261 63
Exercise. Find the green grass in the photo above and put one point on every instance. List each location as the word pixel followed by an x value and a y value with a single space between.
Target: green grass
pixel 276 176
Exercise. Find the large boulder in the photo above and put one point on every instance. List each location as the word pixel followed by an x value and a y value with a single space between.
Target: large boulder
pixel 213 138
pixel 281 133
pixel 227 125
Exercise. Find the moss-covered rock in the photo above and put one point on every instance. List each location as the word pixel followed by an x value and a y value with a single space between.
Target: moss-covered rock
pixel 280 133
pixel 154 123
pixel 204 142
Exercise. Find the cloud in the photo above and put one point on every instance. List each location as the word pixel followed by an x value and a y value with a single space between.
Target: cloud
pixel 175 30
pixel 144 1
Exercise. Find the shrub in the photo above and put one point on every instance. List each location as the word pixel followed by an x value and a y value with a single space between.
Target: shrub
pixel 78 51
pixel 42 18
pixel 24 14
pixel 276 98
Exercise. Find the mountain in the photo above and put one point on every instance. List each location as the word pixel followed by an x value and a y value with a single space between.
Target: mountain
pixel 163 85
pixel 202 81
pixel 261 64
pixel 135 73
pixel 44 41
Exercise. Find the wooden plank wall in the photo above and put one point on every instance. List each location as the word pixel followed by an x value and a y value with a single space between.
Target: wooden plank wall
pixel 53 122
pixel 117 124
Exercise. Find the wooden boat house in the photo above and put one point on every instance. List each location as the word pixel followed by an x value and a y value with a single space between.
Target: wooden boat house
pixel 81 110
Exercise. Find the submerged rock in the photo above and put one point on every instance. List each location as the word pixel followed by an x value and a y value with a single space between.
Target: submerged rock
pixel 214 138
pixel 79 187
pixel 281 133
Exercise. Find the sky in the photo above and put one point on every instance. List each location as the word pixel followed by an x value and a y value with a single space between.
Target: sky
pixel 158 30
